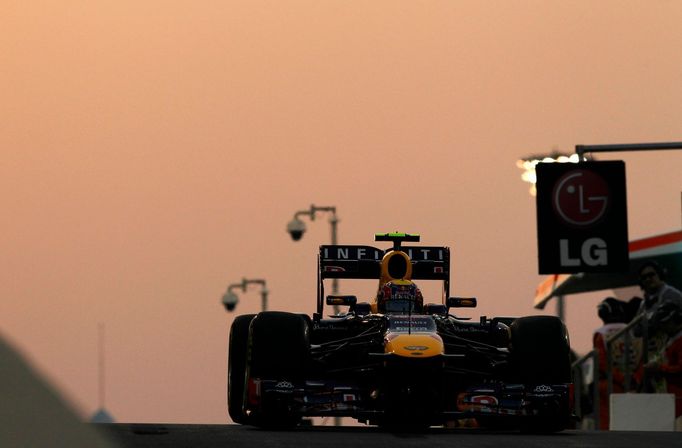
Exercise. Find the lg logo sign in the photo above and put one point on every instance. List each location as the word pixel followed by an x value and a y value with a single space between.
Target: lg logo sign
pixel 593 252
pixel 582 219
pixel 580 198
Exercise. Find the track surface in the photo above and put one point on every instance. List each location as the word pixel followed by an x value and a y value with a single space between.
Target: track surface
pixel 135 435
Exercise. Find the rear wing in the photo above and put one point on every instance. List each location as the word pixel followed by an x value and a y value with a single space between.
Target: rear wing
pixel 364 262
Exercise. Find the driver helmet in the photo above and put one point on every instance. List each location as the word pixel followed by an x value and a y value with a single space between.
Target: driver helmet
pixel 400 296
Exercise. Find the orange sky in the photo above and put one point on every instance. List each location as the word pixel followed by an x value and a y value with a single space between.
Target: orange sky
pixel 153 152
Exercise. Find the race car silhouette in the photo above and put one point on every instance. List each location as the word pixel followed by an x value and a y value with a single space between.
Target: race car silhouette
pixel 395 361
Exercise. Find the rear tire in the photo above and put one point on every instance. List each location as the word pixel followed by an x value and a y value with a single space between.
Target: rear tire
pixel 236 368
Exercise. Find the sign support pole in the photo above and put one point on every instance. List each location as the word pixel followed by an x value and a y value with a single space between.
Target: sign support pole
pixel 582 149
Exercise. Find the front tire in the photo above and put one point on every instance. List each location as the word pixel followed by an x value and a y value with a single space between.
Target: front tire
pixel 279 349
pixel 540 352
pixel 236 368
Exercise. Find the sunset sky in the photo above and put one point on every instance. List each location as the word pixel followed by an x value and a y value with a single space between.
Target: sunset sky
pixel 154 151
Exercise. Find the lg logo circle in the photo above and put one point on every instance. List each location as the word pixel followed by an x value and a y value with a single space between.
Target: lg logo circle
pixel 580 198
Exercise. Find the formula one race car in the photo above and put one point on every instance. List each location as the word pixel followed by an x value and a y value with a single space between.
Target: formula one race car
pixel 394 361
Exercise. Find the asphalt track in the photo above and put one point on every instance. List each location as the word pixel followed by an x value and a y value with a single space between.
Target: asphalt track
pixel 135 435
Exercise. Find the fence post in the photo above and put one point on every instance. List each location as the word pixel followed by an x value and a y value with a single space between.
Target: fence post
pixel 595 389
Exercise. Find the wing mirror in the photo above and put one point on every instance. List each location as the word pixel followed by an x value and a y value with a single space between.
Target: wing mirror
pixel 461 302
pixel 342 300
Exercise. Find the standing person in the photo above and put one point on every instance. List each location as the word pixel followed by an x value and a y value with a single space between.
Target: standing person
pixel 665 368
pixel 657 294
pixel 612 313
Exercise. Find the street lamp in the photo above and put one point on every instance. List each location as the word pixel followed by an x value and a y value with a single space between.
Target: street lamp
pixel 230 299
pixel 296 229
pixel 527 164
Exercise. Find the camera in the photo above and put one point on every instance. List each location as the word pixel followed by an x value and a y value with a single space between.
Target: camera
pixel 230 300
pixel 296 228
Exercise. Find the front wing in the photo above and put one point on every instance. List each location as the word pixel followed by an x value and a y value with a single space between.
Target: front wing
pixel 319 398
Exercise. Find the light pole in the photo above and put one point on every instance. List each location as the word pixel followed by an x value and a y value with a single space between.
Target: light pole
pixel 230 299
pixel 296 228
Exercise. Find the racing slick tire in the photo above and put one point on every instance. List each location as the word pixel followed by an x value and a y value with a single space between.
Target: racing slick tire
pixel 236 367
pixel 279 349
pixel 540 352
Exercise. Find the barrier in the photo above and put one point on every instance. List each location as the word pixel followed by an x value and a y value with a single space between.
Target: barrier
pixel 642 412
pixel 628 347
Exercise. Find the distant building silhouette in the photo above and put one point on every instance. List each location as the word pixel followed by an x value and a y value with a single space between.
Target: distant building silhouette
pixel 102 416
pixel 34 414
